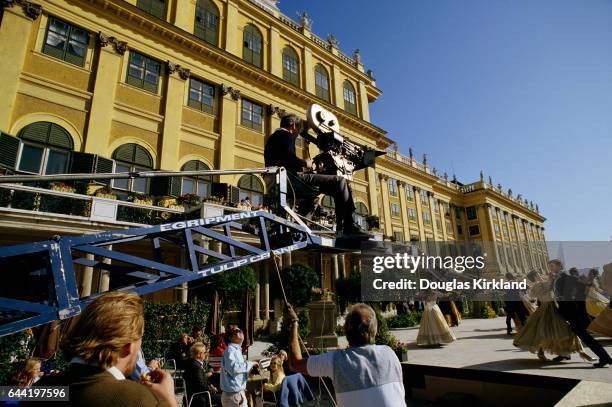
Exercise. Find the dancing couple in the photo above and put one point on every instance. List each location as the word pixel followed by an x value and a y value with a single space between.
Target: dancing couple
pixel 561 321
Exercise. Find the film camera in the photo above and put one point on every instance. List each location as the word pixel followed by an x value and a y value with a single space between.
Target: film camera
pixel 338 156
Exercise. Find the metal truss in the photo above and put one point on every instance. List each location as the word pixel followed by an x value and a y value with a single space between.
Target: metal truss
pixel 40 281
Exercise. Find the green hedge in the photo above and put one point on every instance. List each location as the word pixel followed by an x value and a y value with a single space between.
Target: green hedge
pixel 404 320
pixel 165 322
pixel 13 348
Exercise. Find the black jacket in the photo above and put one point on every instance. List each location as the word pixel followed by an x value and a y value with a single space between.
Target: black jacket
pixel 280 152
pixel 195 377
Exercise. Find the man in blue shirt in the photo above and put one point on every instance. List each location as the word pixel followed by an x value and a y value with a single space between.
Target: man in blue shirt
pixel 234 372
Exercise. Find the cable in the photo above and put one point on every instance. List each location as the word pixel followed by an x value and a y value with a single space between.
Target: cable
pixel 299 337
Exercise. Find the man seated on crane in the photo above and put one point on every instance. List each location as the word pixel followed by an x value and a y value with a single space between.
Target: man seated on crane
pixel 280 152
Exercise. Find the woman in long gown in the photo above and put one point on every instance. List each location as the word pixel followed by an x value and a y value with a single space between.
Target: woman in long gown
pixel 596 302
pixel 434 329
pixel 546 331
pixel 602 324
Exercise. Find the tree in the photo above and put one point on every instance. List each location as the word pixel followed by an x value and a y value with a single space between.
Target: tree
pixel 232 286
pixel 298 281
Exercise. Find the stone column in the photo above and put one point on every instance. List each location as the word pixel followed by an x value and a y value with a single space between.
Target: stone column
pixel 495 221
pixel 386 208
pixel 229 115
pixel 15 31
pixel 184 16
pixel 372 194
pixel 308 71
pixel 173 114
pixel 337 87
pixel 266 293
pixel 342 265
pixel 443 221
pixel 276 52
pixel 233 34
pixel 419 213
pixel 335 268
pixel 404 208
pixel 453 220
pixel 105 88
pixel 87 277
pixel 511 243
pixel 487 232
pixel 432 215
pixel 519 242
pixel 363 100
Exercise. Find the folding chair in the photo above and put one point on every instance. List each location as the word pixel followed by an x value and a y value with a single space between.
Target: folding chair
pixel 197 394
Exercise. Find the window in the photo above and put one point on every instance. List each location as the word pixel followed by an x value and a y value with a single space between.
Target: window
pixel 361 209
pixel 252 46
pixel 199 185
pixel 349 98
pixel 66 42
pixel 252 188
pixel 328 203
pixel 426 218
pixel 206 24
pixel 321 83
pixel 459 229
pixel 409 192
pixel 291 67
pixel 424 198
pixel 438 224
pixel 496 227
pixel 154 7
pixel 132 158
pixel 474 230
pixel 361 212
pixel 392 186
pixel 436 206
pixel 449 228
pixel 251 115
pixel 395 210
pixel 45 149
pixel 458 214
pixel 201 96
pixel 411 214
pixel 471 212
pixel 398 236
pixel 143 72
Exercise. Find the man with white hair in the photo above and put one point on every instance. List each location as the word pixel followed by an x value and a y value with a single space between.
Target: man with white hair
pixel 364 374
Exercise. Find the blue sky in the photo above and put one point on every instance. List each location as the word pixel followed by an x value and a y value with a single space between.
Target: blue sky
pixel 521 89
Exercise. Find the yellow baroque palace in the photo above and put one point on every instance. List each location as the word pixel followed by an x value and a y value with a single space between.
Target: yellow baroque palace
pixel 127 85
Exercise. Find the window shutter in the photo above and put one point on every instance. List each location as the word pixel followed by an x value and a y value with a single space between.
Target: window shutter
pixel 8 151
pixel 142 157
pixel 35 132
pixel 82 163
pixel 104 165
pixel 166 186
pixel 59 137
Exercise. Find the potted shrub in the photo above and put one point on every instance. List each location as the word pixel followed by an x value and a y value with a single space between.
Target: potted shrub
pixel 105 193
pixel 61 187
pixel 189 200
pixel 140 199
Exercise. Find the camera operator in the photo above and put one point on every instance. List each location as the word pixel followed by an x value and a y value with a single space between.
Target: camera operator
pixel 280 152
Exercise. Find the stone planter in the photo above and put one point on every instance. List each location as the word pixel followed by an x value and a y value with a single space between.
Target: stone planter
pixel 322 324
pixel 167 202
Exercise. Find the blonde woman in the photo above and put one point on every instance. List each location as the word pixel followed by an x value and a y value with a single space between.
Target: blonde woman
pixel 197 376
pixel 28 374
pixel 277 374
pixel 434 329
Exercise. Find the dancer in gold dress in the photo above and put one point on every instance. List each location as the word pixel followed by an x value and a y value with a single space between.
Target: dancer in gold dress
pixel 434 329
pixel 546 331
pixel 602 324
pixel 596 302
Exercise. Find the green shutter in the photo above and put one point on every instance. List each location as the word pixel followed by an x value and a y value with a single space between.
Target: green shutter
pixel 104 165
pixel 8 151
pixel 124 153
pixel 59 137
pixel 82 163
pixel 35 132
pixel 142 157
pixel 166 186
